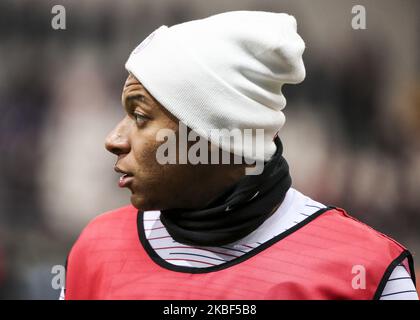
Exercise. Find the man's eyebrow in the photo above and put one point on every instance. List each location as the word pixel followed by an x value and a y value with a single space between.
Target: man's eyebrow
pixel 130 100
pixel 133 97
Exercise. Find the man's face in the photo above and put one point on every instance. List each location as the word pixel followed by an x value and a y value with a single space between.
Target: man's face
pixel 155 186
pixel 133 140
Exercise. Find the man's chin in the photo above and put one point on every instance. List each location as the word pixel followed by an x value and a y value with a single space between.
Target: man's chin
pixel 137 201
pixel 141 203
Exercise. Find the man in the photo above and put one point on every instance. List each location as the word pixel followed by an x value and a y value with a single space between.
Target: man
pixel 211 230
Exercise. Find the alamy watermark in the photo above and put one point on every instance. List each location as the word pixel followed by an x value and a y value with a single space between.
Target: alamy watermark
pixel 58 21
pixel 359 280
pixel 182 147
pixel 58 281
pixel 358 22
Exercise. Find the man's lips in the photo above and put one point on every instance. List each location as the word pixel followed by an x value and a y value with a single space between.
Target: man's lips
pixel 125 179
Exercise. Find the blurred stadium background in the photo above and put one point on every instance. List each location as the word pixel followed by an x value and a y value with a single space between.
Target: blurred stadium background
pixel 351 136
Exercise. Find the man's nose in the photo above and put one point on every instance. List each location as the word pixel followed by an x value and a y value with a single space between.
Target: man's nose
pixel 117 140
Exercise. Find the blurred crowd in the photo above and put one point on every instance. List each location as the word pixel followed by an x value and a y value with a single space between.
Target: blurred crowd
pixel 351 136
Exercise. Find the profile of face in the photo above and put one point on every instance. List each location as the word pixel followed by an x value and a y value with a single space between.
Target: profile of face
pixel 156 186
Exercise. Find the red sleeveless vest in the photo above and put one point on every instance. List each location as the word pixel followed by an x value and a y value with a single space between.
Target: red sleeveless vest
pixel 330 255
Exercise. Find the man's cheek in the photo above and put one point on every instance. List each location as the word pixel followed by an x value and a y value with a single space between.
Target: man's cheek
pixel 145 152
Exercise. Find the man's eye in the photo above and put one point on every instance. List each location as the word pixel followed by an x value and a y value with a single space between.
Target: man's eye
pixel 140 119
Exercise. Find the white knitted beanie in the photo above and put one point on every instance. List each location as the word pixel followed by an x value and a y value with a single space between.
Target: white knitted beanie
pixel 224 72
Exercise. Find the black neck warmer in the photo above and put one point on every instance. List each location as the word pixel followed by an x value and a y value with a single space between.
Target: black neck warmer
pixel 237 212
